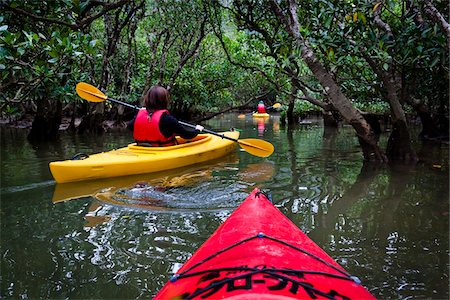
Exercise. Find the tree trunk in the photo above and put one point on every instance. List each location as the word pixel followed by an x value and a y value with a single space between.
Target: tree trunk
pixel 429 128
pixel 290 111
pixel 328 120
pixel 72 127
pixel 340 102
pixel 439 19
pixel 119 120
pixel 399 145
pixel 374 123
pixel 46 123
pixel 93 122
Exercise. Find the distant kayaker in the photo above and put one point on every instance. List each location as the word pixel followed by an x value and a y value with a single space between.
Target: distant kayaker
pixel 261 107
pixel 154 126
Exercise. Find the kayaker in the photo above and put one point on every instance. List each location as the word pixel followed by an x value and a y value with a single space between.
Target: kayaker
pixel 261 107
pixel 154 126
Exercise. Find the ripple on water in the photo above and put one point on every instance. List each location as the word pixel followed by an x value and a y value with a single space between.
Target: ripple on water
pixel 204 196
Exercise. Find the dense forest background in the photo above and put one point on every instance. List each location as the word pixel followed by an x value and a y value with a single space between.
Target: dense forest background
pixel 356 62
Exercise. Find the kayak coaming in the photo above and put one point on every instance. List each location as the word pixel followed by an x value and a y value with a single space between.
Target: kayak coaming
pixel 258 253
pixel 135 159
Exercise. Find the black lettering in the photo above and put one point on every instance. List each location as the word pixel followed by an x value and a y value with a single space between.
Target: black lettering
pixel 309 289
pixel 245 282
pixel 295 274
pixel 209 276
pixel 333 294
pixel 258 281
pixel 282 284
pixel 247 285
pixel 214 287
pixel 294 288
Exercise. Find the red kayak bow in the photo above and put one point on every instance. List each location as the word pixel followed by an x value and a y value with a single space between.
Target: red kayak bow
pixel 258 253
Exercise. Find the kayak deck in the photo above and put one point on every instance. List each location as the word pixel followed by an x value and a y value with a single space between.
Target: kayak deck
pixel 139 159
pixel 261 115
pixel 258 253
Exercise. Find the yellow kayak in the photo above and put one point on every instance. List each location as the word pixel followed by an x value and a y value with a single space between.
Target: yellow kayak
pixel 139 160
pixel 166 178
pixel 261 115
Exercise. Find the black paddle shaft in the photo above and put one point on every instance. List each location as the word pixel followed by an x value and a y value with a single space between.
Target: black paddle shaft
pixel 209 131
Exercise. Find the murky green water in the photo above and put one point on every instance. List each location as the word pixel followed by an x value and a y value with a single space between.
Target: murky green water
pixel 123 238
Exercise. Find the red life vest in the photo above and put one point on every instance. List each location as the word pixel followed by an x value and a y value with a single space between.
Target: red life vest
pixel 146 129
pixel 261 108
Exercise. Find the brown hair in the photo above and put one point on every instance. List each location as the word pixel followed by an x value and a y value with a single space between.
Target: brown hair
pixel 156 98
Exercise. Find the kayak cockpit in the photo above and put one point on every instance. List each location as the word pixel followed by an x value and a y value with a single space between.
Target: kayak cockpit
pixel 199 139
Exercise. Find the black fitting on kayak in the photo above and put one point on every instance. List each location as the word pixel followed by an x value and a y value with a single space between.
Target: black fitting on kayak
pixel 79 156
pixel 356 279
pixel 174 278
pixel 260 235
pixel 268 196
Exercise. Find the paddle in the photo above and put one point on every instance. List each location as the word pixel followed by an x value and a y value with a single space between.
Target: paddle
pixel 255 147
pixel 276 105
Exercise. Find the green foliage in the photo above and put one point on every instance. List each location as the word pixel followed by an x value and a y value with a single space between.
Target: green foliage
pixel 211 83
pixel 374 106
pixel 303 107
pixel 344 33
pixel 45 59
pixel 41 62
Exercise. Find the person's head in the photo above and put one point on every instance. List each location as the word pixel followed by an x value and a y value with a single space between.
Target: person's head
pixel 156 98
pixel 261 102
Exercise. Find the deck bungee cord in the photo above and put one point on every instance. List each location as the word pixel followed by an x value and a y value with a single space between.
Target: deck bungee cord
pixel 264 270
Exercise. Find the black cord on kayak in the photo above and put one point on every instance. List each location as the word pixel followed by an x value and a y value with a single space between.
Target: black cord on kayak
pixel 214 255
pixel 264 270
pixel 276 273
pixel 262 235
pixel 309 254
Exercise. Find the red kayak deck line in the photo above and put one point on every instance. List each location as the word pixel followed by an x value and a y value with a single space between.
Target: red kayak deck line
pixel 258 253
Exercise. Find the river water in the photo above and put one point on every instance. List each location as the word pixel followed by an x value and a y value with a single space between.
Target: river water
pixel 123 238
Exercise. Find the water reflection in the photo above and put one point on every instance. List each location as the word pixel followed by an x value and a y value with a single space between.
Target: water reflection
pixel 194 188
pixel 94 217
pixel 388 225
pixel 204 189
pixel 276 125
pixel 261 125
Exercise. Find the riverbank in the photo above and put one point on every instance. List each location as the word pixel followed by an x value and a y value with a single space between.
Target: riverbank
pixel 26 122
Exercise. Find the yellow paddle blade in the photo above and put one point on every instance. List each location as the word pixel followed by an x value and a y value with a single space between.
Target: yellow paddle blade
pixel 276 105
pixel 90 93
pixel 257 147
